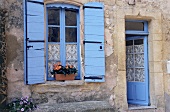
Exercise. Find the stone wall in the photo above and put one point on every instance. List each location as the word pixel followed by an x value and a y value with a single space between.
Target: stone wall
pixel 114 89
pixel 15 49
pixel 3 78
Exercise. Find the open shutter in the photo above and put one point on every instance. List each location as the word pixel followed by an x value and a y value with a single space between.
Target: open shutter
pixel 94 42
pixel 34 42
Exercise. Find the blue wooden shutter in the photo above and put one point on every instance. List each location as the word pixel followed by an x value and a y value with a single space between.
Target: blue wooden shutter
pixel 94 42
pixel 34 42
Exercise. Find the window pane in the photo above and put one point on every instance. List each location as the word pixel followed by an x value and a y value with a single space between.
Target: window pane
pixel 138 46
pixel 138 42
pixel 139 75
pixel 71 52
pixel 71 17
pixel 54 52
pixel 53 16
pixel 130 74
pixel 139 26
pixel 129 43
pixel 54 34
pixel 71 34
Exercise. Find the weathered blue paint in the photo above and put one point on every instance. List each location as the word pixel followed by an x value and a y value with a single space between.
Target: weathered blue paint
pixel 94 42
pixel 138 92
pixel 33 42
pixel 78 46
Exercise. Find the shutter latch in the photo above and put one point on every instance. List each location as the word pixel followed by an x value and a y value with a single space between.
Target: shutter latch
pixel 29 47
pixel 93 77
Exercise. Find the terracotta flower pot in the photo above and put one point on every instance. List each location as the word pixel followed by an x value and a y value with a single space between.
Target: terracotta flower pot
pixel 64 77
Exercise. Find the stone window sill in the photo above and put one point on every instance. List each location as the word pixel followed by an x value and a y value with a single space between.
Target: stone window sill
pixel 53 86
pixel 63 83
pixel 141 107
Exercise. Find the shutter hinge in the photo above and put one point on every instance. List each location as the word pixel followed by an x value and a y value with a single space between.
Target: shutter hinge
pixel 93 77
pixel 36 41
pixel 91 42
pixel 36 2
pixel 92 7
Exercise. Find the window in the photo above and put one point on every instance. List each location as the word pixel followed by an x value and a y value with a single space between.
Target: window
pixel 63 37
pixel 136 27
pixel 63 40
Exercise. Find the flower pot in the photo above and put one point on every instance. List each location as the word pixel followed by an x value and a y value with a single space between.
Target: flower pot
pixel 61 77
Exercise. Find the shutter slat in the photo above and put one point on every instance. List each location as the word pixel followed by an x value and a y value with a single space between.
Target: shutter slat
pixel 93 61
pixel 93 54
pixel 35 35
pixel 34 42
pixel 94 38
pixel 35 27
pixel 95 70
pixel 96 47
pixel 94 42
pixel 94 29
pixel 93 12
pixel 36 62
pixel 35 19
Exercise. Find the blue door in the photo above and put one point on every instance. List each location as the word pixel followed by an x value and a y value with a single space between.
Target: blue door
pixel 137 70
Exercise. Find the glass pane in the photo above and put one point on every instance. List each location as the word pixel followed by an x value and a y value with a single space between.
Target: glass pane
pixel 139 75
pixel 138 48
pixel 138 42
pixel 130 74
pixel 71 17
pixel 71 52
pixel 53 16
pixel 54 52
pixel 129 42
pixel 129 60
pixel 129 49
pixel 53 34
pixel 139 60
pixel 71 34
pixel 139 26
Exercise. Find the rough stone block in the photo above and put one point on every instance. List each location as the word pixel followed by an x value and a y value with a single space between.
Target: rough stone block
pixel 158 67
pixel 159 84
pixel 157 50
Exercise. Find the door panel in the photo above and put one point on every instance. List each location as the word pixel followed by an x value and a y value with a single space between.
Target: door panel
pixel 130 92
pixel 140 92
pixel 137 70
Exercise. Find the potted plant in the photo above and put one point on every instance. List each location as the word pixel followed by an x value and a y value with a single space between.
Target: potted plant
pixel 67 72
pixel 23 104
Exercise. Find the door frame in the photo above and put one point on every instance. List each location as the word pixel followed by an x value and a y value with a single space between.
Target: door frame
pixel 144 33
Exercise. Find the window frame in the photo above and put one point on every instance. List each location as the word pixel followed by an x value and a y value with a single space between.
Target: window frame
pixel 136 32
pixel 62 34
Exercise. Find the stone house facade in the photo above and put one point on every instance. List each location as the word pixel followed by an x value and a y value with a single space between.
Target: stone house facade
pixel 114 89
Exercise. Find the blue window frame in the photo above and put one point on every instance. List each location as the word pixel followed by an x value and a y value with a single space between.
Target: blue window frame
pixel 63 36
pixel 136 27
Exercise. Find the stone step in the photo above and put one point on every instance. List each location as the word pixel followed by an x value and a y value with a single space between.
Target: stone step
pixel 86 106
